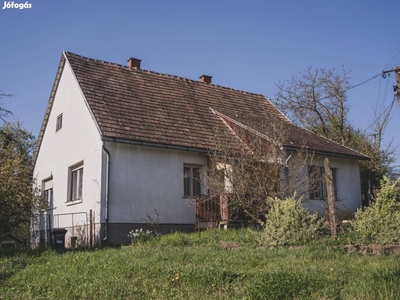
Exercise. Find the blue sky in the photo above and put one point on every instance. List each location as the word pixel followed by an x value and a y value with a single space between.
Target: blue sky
pixel 246 45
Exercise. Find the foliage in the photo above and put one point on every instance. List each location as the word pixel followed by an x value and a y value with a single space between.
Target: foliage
pixel 16 198
pixel 252 165
pixel 380 222
pixel 163 271
pixel 381 162
pixel 317 100
pixel 139 236
pixel 289 223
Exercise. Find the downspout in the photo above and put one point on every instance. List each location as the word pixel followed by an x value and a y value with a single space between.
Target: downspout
pixel 287 160
pixel 287 166
pixel 107 190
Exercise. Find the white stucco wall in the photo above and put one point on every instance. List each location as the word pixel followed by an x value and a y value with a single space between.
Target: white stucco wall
pixel 77 141
pixel 144 179
pixel 348 185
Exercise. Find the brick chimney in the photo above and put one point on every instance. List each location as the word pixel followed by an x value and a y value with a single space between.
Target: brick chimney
pixel 205 78
pixel 134 63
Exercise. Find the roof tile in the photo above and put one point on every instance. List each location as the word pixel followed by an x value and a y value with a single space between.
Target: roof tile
pixel 141 105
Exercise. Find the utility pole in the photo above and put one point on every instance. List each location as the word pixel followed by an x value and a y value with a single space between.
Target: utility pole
pixel 396 88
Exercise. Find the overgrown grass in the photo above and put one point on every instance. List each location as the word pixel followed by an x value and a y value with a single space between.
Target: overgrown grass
pixel 214 264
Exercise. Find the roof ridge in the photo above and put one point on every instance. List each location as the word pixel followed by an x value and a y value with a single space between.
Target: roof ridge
pixel 240 124
pixel 162 74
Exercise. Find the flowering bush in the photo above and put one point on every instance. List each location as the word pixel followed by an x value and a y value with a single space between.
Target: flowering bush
pixel 139 236
pixel 289 223
pixel 380 222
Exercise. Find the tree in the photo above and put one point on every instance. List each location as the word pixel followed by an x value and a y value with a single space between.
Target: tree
pixel 381 162
pixel 16 181
pixel 317 100
pixel 251 166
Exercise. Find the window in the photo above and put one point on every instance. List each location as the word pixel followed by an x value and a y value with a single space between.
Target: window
pixel 317 186
pixel 59 122
pixel 48 192
pixel 76 183
pixel 191 181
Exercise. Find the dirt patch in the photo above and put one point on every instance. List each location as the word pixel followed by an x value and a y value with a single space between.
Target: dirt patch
pixel 230 246
pixel 374 249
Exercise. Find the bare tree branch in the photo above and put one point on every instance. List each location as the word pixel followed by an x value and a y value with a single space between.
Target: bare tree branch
pixel 256 169
pixel 4 112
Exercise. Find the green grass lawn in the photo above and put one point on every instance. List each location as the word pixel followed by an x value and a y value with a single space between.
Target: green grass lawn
pixel 210 265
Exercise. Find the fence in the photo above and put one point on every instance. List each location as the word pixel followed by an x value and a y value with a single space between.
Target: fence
pixel 82 229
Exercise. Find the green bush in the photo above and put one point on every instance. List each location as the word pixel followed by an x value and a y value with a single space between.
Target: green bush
pixel 380 222
pixel 289 223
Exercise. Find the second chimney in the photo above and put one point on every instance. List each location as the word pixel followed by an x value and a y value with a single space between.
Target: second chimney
pixel 134 63
pixel 205 78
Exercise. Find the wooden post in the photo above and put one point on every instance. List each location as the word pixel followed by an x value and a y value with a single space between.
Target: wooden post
pixel 90 229
pixel 333 222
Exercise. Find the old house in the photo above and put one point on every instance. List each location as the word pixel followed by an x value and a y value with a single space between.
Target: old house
pixel 119 143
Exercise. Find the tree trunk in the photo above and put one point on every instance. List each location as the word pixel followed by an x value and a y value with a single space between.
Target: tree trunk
pixel 332 216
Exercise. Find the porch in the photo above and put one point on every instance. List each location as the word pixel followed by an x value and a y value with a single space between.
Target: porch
pixel 212 213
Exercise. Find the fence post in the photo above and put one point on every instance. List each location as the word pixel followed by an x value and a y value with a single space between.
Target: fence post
pixel 90 228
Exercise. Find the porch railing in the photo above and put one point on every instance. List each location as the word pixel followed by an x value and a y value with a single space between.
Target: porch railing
pixel 212 209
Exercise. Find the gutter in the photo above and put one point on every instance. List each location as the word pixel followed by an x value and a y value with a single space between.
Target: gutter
pixel 324 153
pixel 107 189
pixel 157 145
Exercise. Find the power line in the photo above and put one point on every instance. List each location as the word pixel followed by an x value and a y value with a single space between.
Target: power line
pixel 391 60
pixel 354 86
pixel 385 111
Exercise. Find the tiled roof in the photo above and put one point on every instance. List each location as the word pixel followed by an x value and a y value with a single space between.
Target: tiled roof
pixel 138 105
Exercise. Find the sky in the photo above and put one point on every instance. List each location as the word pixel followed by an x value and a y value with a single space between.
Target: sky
pixel 246 45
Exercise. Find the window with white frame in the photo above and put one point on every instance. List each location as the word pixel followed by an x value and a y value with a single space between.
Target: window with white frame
pixel 191 180
pixel 48 192
pixel 317 183
pixel 59 122
pixel 76 182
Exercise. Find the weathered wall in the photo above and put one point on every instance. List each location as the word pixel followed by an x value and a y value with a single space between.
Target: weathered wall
pixel 145 180
pixel 348 185
pixel 77 141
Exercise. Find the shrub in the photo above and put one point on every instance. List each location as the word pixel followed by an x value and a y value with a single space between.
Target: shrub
pixel 139 236
pixel 380 222
pixel 289 223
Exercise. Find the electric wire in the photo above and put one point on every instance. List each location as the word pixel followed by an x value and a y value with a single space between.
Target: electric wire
pixel 386 111
pixel 379 90
pixel 392 60
pixel 364 82
pixel 352 87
